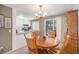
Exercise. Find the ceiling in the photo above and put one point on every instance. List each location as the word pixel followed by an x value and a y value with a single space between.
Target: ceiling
pixel 30 9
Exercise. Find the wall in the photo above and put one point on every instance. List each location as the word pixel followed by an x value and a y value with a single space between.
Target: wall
pixel 63 26
pixel 6 34
pixel 14 42
pixel 58 27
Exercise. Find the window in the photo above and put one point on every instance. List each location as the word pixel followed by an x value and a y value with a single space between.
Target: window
pixel 50 25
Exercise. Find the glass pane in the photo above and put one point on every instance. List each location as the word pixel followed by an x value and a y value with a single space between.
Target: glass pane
pixel 50 25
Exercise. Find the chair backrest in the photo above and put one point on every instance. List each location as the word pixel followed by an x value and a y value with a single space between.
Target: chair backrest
pixel 66 45
pixel 51 33
pixel 34 34
pixel 31 42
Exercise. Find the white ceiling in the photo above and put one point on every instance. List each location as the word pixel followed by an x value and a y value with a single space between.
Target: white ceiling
pixel 52 9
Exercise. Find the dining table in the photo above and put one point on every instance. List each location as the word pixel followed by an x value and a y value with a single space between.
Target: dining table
pixel 43 44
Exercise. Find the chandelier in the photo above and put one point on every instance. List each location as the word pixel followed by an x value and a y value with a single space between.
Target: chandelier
pixel 40 14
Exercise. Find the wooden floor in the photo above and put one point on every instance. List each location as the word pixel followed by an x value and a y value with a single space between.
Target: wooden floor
pixel 23 50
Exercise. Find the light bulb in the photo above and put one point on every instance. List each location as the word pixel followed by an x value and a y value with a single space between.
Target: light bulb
pixel 45 13
pixel 40 12
pixel 36 14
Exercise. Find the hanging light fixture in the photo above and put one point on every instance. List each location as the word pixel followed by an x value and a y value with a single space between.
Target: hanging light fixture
pixel 41 14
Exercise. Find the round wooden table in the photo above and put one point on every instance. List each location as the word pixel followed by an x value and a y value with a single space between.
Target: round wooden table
pixel 42 43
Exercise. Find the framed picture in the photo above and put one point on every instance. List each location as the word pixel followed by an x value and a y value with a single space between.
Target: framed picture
pixel 1 20
pixel 7 22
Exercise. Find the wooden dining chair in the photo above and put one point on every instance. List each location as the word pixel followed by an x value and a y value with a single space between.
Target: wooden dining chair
pixel 34 34
pixel 64 49
pixel 31 44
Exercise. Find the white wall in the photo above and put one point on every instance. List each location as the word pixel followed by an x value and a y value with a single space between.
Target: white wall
pixel 13 29
pixel 63 26
pixel 58 27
